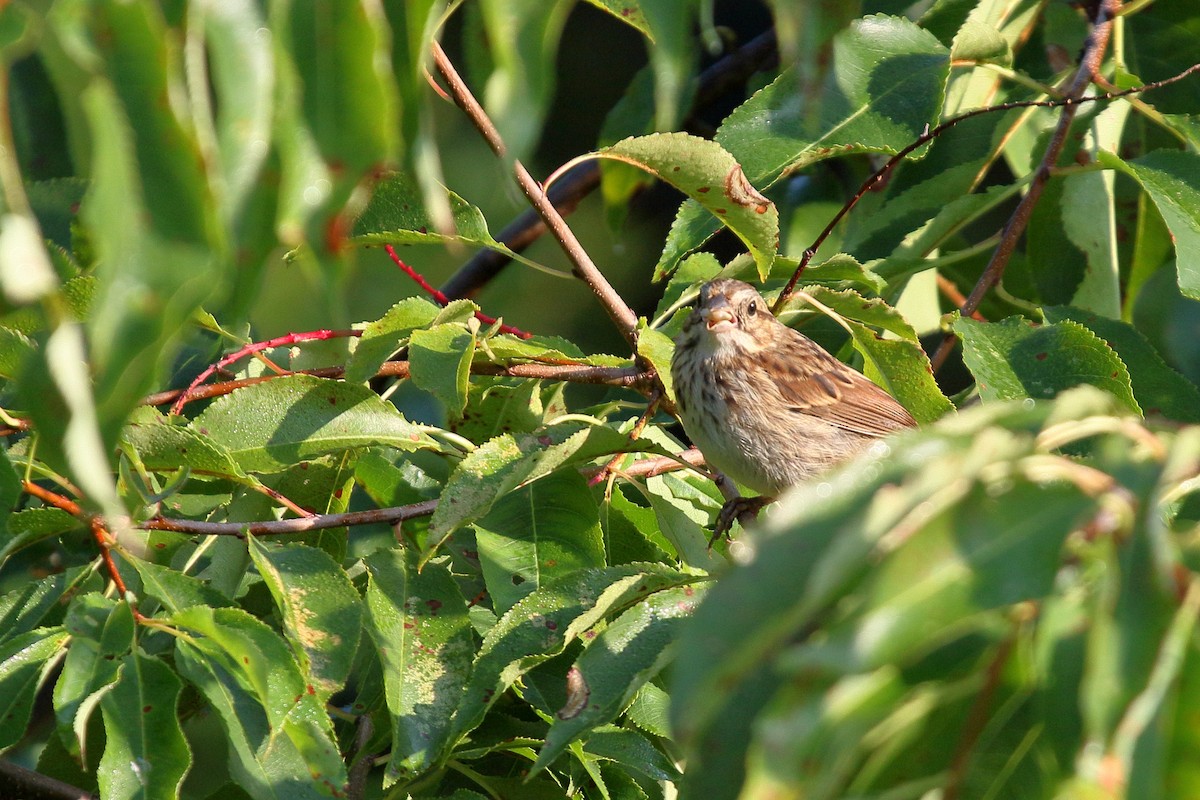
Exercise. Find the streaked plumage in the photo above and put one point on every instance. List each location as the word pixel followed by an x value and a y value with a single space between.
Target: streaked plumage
pixel 765 404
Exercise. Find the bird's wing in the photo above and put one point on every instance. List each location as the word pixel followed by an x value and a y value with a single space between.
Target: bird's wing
pixel 812 382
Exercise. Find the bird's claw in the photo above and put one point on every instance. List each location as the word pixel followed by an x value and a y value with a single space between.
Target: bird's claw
pixel 743 509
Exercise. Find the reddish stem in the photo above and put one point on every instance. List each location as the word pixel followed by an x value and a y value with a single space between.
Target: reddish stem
pixel 443 300
pixel 99 532
pixel 255 347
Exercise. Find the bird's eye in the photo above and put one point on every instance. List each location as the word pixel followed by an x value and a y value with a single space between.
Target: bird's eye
pixel 753 307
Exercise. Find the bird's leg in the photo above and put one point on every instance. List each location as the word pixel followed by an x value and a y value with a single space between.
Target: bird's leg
pixel 743 509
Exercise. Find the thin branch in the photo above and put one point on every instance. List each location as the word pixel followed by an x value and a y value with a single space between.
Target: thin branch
pixel 1089 65
pixel 443 300
pixel 316 522
pixel 582 265
pixel 930 134
pixel 627 377
pixel 581 180
pixel 634 434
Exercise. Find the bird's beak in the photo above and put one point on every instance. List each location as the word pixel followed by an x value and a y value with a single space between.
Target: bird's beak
pixel 718 315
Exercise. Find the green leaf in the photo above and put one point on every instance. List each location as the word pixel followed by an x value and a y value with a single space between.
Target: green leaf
pixel 980 42
pixel 321 611
pixel 235 659
pixel 1157 387
pixel 163 446
pixel 174 589
pixel 440 363
pixel 1172 179
pixel 35 525
pixel 349 94
pixel 1014 359
pixel 658 348
pixel 270 426
pixel 386 335
pixel 536 534
pixel 523 38
pixel 425 640
pixel 630 651
pixel 541 626
pixel 102 632
pixel 713 179
pixel 397 215
pixel 41 603
pixel 145 754
pixel 24 662
pixel 497 467
pixel 886 84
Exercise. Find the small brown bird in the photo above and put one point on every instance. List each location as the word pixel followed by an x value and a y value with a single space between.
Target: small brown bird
pixel 765 404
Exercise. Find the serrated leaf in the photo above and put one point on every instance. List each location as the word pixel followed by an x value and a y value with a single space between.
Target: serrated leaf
pixel 632 649
pixel 268 427
pixel 397 215
pixel 440 363
pixel 420 625
pixel 712 178
pixel 321 611
pixel 1172 179
pixel 1157 387
pixel 385 335
pixel 24 661
pixel 659 349
pixel 145 754
pixel 163 446
pixel 174 589
pixel 34 525
pixel 537 534
pixel 886 84
pixel 1014 359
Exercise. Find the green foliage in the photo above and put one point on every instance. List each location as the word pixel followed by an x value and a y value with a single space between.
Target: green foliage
pixel 403 559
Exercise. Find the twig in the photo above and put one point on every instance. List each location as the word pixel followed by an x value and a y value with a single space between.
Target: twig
pixel 95 524
pixel 300 525
pixel 256 347
pixel 1089 65
pixel 581 263
pixel 633 436
pixel 627 377
pixel 443 299
pixel 947 287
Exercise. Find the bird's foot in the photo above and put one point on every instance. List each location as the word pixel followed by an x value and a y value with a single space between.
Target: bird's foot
pixel 743 509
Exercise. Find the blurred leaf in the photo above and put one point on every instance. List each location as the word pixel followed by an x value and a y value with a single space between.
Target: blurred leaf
pixel 270 426
pixel 440 363
pixel 536 534
pixel 145 753
pixel 632 649
pixel 887 83
pixel 1172 179
pixel 34 525
pixel 1158 388
pixel 713 179
pixel 24 662
pixel 523 38
pixel 673 57
pixel 979 42
pixel 321 612
pixel 1013 359
pixel 419 622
